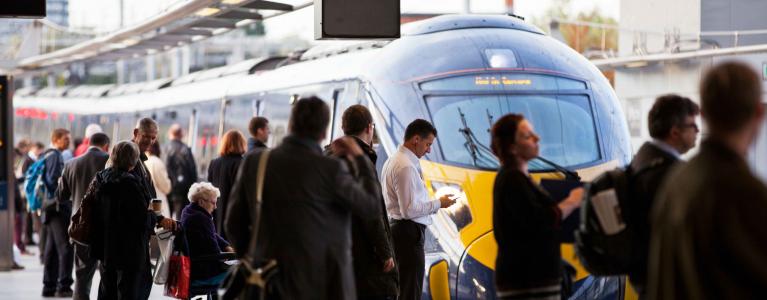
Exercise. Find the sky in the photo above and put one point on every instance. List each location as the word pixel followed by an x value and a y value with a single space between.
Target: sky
pixel 103 15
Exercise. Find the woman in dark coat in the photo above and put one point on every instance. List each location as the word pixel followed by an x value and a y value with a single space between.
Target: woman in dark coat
pixel 121 241
pixel 223 170
pixel 197 221
pixel 525 219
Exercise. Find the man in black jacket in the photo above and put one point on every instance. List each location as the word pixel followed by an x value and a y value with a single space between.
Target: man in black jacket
pixel 708 233
pixel 375 273
pixel 182 169
pixel 308 200
pixel 77 175
pixel 58 257
pixel 672 126
pixel 259 133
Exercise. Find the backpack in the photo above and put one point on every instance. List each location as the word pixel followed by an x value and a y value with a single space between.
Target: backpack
pixel 34 187
pixel 605 239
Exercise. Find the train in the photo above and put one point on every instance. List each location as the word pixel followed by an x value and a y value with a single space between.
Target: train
pixel 460 72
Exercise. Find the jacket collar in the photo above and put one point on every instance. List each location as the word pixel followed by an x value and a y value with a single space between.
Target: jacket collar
pixel 666 148
pixel 199 209
pixel 367 149
pixel 304 142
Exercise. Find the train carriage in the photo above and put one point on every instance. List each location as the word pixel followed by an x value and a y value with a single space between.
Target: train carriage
pixel 461 72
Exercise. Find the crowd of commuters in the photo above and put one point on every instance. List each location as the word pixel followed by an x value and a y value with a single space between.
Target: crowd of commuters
pixel 339 231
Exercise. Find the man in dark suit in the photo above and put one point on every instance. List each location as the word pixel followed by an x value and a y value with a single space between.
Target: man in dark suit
pixel 708 234
pixel 57 273
pixel 182 169
pixel 672 126
pixel 375 273
pixel 308 200
pixel 77 175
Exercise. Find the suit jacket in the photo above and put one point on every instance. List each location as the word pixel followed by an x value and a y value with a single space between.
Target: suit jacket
pixel 308 200
pixel 645 186
pixel 221 174
pixel 78 174
pixel 709 238
pixel 181 167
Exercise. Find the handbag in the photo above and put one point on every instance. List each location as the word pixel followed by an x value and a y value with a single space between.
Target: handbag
pixel 165 242
pixel 252 279
pixel 179 267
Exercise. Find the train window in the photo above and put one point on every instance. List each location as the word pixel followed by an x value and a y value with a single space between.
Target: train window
pixel 565 124
pixel 502 81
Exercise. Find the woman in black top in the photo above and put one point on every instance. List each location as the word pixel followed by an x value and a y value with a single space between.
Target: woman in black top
pixel 223 170
pixel 525 219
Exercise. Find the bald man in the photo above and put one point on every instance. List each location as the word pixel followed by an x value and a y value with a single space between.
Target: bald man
pixel 182 169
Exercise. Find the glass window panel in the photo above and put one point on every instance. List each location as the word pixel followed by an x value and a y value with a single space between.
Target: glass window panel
pixel 565 124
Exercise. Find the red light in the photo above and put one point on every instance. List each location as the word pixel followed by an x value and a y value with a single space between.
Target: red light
pixel 71 117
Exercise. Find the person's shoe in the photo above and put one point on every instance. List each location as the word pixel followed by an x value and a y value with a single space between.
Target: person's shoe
pixel 49 294
pixel 17 266
pixel 64 293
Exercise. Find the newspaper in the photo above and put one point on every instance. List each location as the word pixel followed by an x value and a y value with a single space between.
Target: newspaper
pixel 608 211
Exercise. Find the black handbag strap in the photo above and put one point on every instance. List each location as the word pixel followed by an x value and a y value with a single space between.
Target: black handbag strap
pixel 261 172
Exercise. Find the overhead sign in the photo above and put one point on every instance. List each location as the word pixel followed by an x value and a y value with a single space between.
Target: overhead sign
pixel 23 9
pixel 356 19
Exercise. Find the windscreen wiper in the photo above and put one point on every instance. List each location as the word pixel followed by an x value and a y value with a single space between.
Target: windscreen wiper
pixel 472 144
pixel 569 174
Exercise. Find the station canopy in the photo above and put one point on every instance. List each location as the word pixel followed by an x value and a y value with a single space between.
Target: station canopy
pixel 183 23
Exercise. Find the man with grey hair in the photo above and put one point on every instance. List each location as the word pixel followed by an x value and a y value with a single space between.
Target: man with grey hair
pixel 144 135
pixel 182 169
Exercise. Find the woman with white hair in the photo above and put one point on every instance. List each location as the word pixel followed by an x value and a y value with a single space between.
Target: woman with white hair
pixel 197 222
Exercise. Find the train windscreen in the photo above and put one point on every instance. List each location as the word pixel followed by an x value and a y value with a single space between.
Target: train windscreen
pixel 565 124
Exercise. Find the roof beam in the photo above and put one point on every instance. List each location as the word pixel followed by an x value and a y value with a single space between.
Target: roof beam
pixel 268 5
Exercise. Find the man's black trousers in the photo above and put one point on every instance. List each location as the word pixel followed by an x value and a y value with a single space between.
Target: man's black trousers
pixel 58 257
pixel 408 239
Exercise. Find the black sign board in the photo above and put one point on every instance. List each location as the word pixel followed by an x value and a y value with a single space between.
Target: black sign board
pixel 356 19
pixel 22 9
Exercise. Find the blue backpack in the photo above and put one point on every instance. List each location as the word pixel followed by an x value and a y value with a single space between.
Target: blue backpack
pixel 34 187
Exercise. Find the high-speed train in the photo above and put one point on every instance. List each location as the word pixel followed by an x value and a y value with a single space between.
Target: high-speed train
pixel 461 72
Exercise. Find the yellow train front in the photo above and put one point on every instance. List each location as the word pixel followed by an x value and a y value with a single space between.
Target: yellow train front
pixel 465 73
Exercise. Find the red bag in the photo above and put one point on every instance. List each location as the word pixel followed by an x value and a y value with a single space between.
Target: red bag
pixel 177 285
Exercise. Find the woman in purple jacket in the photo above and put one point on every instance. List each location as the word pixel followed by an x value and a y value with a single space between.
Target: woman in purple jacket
pixel 197 222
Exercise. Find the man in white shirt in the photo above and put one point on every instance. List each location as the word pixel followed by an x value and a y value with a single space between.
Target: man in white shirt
pixel 409 206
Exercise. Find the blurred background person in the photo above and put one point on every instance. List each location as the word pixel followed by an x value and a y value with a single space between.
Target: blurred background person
pixel 181 167
pixel 159 173
pixel 258 127
pixel 22 161
pixel 526 221
pixel 223 171
pixel 90 130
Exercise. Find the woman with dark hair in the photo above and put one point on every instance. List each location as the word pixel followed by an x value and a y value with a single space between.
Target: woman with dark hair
pixel 223 170
pixel 525 218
